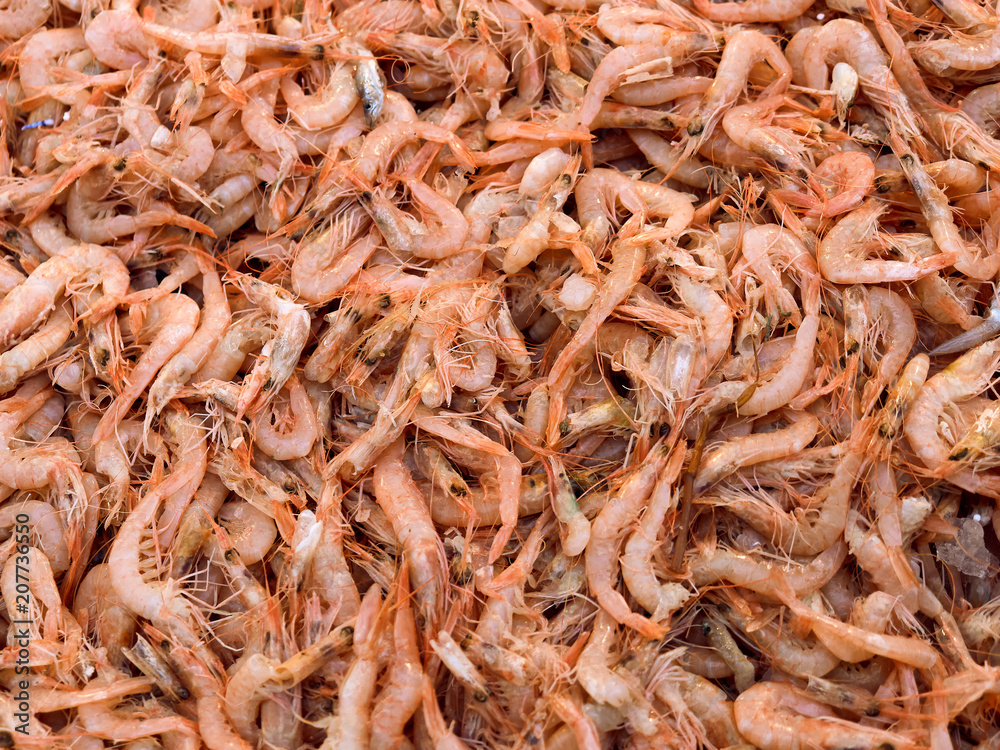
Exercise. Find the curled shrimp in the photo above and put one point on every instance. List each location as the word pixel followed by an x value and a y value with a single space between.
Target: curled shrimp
pixel 772 716
pixel 847 179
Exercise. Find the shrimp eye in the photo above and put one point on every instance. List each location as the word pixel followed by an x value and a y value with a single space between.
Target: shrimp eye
pixel 531 482
pixel 564 428
pixel 6 739
pixel 531 739
pixel 958 456
pixel 366 196
pixel 230 556
pixel 269 384
pixel 873 711
pixel 11 236
pixel 119 165
pixel 706 628
pixel 318 52
pixel 481 695
pixel 384 301
pixel 183 693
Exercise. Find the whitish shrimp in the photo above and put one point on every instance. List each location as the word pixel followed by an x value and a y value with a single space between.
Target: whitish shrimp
pixel 743 50
pixel 250 532
pixel 964 378
pixel 746 571
pixel 746 451
pixel 661 600
pixel 47 529
pixel 18 19
pixel 773 716
pixel 292 328
pixel 351 726
pixel 959 52
pixel 845 40
pixel 277 440
pixel 601 555
pixel 424 240
pixel 33 467
pixel 29 354
pixel 403 692
pixel 403 503
pixel 325 108
pixel 610 72
pixel 603 684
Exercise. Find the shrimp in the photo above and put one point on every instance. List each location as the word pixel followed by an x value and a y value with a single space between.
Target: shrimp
pixel 606 686
pixel 940 220
pixel 326 108
pixel 175 319
pixel 745 125
pixel 773 716
pixel 292 328
pixel 97 604
pixel 628 259
pixel 900 332
pixel 213 322
pixel 942 56
pixel 841 260
pixel 161 603
pixel 814 528
pixel 398 495
pixel 213 725
pixel 848 41
pixel 15 363
pixel 752 449
pixel 441 734
pixel 402 694
pixel 18 19
pixel 326 262
pixel 600 556
pixel 404 235
pixel 612 68
pixel 95 221
pixel 743 50
pixel 964 378
pixel 851 177
pixel 661 600
pixel 296 442
pixel 747 572
pixel 24 306
pixel 351 727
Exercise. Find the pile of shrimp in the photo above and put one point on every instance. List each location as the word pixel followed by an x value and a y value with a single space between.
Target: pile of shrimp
pixel 499 374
